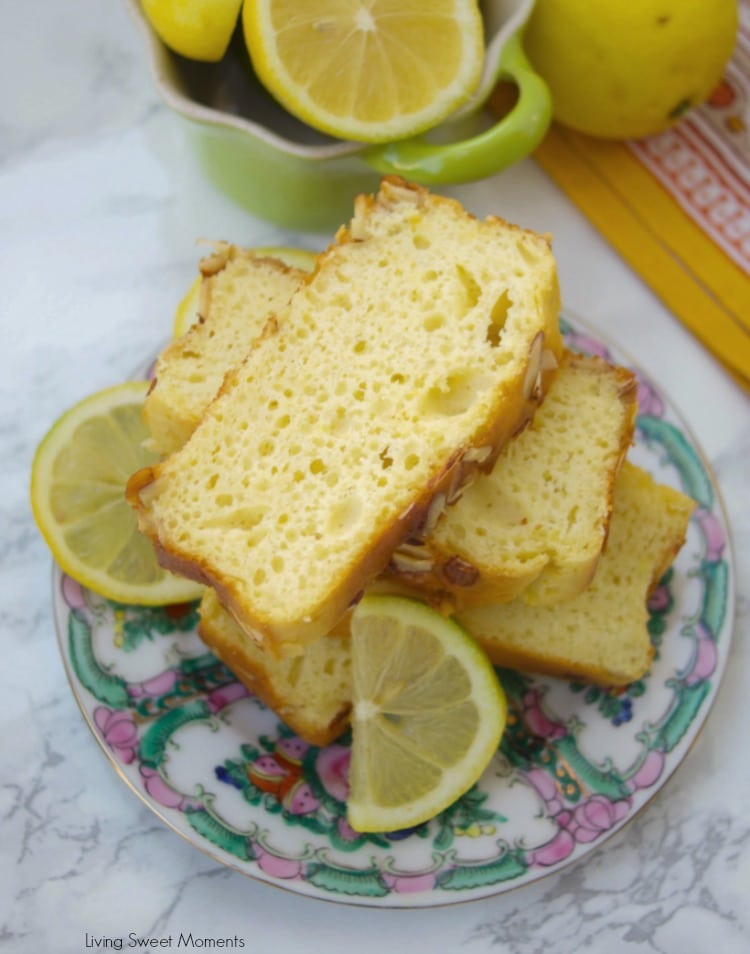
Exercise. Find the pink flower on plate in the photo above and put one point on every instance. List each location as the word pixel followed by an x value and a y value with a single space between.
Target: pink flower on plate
pixel 658 602
pixel 596 815
pixel 555 850
pixel 299 799
pixel 163 793
pixel 286 868
pixel 410 883
pixel 586 343
pixel 545 786
pixel 291 751
pixel 226 695
pixel 649 401
pixel 118 730
pixel 537 720
pixel 332 766
pixel 72 592
pixel 705 658
pixel 713 532
pixel 155 686
pixel 649 771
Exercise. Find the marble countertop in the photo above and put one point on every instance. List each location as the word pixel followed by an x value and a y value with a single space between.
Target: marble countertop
pixel 100 208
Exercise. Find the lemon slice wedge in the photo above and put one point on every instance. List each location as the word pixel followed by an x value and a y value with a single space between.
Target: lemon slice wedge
pixel 197 29
pixel 188 310
pixel 78 482
pixel 368 70
pixel 428 713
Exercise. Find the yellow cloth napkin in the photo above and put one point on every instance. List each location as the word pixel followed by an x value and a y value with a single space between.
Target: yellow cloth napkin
pixel 676 206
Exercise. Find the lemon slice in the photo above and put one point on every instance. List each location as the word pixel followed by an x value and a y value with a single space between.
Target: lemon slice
pixel 428 713
pixel 78 482
pixel 369 70
pixel 197 29
pixel 188 310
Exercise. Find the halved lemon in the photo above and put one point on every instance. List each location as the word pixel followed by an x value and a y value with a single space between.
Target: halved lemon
pixel 197 29
pixel 428 713
pixel 188 310
pixel 368 70
pixel 78 482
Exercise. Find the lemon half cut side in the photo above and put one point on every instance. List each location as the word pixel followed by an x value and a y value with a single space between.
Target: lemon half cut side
pixel 367 70
pixel 78 483
pixel 428 713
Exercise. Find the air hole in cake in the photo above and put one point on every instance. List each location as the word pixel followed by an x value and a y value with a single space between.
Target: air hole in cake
pixel 277 564
pixel 359 347
pixel 527 254
pixel 246 518
pixel 471 286
pixel 224 500
pixel 421 241
pixel 572 517
pixel 345 515
pixel 295 669
pixel 453 396
pixel 433 322
pixel 386 460
pixel 498 318
pixel 317 466
pixel 411 461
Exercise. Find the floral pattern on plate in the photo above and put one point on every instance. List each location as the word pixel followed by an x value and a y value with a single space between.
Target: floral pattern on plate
pixel 575 764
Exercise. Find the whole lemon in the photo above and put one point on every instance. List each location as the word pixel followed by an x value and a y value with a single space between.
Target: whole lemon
pixel 621 69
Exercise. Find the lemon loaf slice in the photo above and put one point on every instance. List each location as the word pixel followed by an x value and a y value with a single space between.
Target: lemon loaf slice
pixel 547 500
pixel 311 692
pixel 408 358
pixel 536 525
pixel 239 292
pixel 601 635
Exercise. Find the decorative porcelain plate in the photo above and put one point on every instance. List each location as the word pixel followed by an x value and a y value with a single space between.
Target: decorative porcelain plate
pixel 576 762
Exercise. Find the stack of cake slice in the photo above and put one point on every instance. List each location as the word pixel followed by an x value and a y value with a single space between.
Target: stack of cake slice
pixel 404 418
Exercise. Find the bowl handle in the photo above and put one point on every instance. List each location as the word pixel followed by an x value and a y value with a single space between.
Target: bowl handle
pixel 509 140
